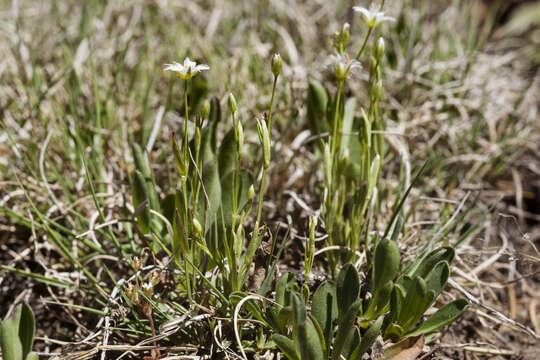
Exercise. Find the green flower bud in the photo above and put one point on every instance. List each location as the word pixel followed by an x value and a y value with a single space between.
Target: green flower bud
pixel 276 65
pixel 251 192
pixel 264 138
pixel 197 226
pixel 205 109
pixel 239 137
pixel 379 49
pixel 232 103
pixel 345 35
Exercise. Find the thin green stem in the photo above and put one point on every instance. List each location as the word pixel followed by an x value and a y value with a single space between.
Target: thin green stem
pixel 336 128
pixel 364 44
pixel 272 104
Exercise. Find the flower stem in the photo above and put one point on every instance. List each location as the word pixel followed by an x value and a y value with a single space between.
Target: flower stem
pixel 364 43
pixel 272 104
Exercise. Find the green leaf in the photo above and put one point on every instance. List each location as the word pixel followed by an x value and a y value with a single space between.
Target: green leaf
pixel 346 327
pixel 413 307
pixel 444 316
pixel 227 154
pixel 317 102
pixel 139 198
pixel 244 181
pixel 424 265
pixel 284 284
pixel 393 332
pixel 351 343
pixel 379 301
pixel 10 342
pixel 368 339
pixel 308 342
pixel 300 313
pixel 307 337
pixel 32 356
pixel 214 118
pixel 397 298
pixel 212 186
pixel 287 346
pixel 437 277
pixel 347 288
pixel 27 329
pixel 387 261
pixel 325 309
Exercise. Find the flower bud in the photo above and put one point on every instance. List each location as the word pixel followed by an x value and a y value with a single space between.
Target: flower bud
pixel 155 278
pixel 132 293
pixel 379 49
pixel 232 103
pixel 205 109
pixel 378 89
pixel 277 65
pixel 197 226
pixel 239 137
pixel 264 138
pixel 345 34
pixel 251 192
pixel 135 263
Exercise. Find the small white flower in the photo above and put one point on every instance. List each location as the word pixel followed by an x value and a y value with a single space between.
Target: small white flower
pixel 187 70
pixel 147 288
pixel 372 17
pixel 341 64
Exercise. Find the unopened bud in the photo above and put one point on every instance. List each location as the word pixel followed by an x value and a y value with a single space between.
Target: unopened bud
pixel 277 65
pixel 232 103
pixel 205 109
pixel 239 137
pixel 379 49
pixel 251 192
pixel 136 263
pixel 197 226
pixel 378 89
pixel 345 34
pixel 264 138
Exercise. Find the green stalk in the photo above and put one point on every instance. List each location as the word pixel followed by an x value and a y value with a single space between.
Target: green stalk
pixel 271 104
pixel 364 44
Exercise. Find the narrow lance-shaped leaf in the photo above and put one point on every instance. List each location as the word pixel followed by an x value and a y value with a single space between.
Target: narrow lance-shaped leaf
pixel 444 316
pixel 27 328
pixel 347 288
pixel 387 261
pixel 368 339
pixel 10 342
pixel 324 309
pixel 287 346
pixel 345 328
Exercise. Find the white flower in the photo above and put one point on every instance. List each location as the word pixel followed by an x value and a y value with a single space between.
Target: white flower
pixel 372 17
pixel 187 70
pixel 341 64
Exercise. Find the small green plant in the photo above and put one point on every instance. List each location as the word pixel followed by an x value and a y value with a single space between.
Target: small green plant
pixel 342 323
pixel 17 335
